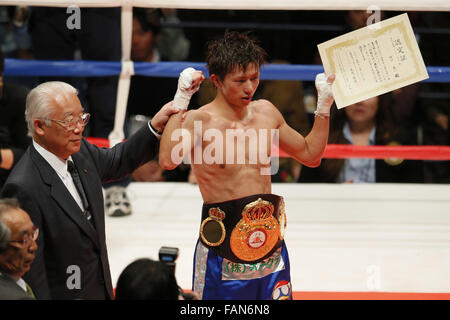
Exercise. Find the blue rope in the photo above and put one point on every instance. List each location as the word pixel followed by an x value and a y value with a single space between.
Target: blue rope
pixel 83 68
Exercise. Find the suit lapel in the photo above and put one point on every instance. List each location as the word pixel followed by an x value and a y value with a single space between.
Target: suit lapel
pixel 62 196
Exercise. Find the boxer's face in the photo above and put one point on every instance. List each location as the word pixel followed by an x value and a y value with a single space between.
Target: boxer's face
pixel 239 86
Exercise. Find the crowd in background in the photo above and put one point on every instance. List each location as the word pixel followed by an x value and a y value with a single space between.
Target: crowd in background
pixel 418 113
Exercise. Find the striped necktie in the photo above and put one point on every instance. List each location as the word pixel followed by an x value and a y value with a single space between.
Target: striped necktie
pixel 29 290
pixel 76 180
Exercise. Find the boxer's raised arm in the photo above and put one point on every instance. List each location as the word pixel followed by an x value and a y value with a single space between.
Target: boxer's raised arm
pixel 174 140
pixel 309 150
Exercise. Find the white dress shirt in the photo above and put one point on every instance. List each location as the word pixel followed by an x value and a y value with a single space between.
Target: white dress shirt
pixel 358 170
pixel 60 167
pixel 21 283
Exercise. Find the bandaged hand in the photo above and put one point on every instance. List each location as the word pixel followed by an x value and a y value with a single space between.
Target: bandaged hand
pixel 188 84
pixel 325 97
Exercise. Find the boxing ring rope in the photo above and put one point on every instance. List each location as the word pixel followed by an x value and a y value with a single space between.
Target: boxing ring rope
pixel 170 69
pixel 19 67
pixel 338 151
pixel 399 5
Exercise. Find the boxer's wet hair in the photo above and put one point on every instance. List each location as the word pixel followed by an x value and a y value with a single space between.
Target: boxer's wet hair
pixel 233 50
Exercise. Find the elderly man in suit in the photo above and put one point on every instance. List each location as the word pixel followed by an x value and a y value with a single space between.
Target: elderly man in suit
pixel 17 250
pixel 58 182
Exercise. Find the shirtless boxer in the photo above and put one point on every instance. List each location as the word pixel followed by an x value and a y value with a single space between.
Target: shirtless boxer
pixel 241 252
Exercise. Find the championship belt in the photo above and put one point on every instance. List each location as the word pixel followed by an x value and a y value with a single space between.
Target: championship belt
pixel 244 230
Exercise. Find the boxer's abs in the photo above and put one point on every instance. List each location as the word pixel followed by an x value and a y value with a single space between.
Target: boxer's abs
pixel 231 182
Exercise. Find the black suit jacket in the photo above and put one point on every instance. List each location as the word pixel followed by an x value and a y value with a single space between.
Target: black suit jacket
pixel 72 259
pixel 10 290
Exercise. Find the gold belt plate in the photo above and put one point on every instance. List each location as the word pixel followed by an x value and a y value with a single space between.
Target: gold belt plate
pixel 256 233
pixel 212 229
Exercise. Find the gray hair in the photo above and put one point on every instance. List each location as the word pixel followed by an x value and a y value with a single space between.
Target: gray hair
pixel 5 235
pixel 6 205
pixel 41 99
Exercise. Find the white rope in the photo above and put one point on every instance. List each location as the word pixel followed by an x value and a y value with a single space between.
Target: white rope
pixel 123 87
pixel 63 3
pixel 397 5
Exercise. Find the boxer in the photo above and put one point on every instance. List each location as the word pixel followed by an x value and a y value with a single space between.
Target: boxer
pixel 241 252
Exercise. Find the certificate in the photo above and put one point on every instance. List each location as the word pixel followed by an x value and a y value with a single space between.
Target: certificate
pixel 373 60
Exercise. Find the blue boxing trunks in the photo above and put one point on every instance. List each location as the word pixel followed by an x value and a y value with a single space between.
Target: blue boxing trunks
pixel 241 252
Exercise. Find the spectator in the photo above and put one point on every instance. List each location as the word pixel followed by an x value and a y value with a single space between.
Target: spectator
pixel 14 38
pixel 356 19
pixel 368 122
pixel 72 259
pixel 173 44
pixel 145 279
pixel 435 97
pixel 17 249
pixel 146 93
pixel 13 131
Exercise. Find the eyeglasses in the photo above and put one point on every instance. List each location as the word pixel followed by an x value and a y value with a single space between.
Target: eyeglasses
pixel 72 123
pixel 27 239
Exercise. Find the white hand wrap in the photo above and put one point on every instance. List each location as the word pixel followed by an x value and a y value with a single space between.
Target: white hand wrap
pixel 183 94
pixel 324 96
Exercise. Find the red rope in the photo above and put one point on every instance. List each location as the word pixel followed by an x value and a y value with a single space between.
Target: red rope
pixel 383 152
pixel 99 142
pixel 343 151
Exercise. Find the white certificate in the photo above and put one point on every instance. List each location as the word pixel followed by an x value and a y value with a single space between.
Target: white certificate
pixel 373 60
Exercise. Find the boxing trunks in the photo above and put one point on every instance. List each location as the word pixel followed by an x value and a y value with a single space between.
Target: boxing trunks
pixel 240 253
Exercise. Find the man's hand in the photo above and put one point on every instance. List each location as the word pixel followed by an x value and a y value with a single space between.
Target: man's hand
pixel 6 159
pixel 324 94
pixel 160 119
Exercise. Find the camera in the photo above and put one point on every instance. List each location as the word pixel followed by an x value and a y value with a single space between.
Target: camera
pixel 168 255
